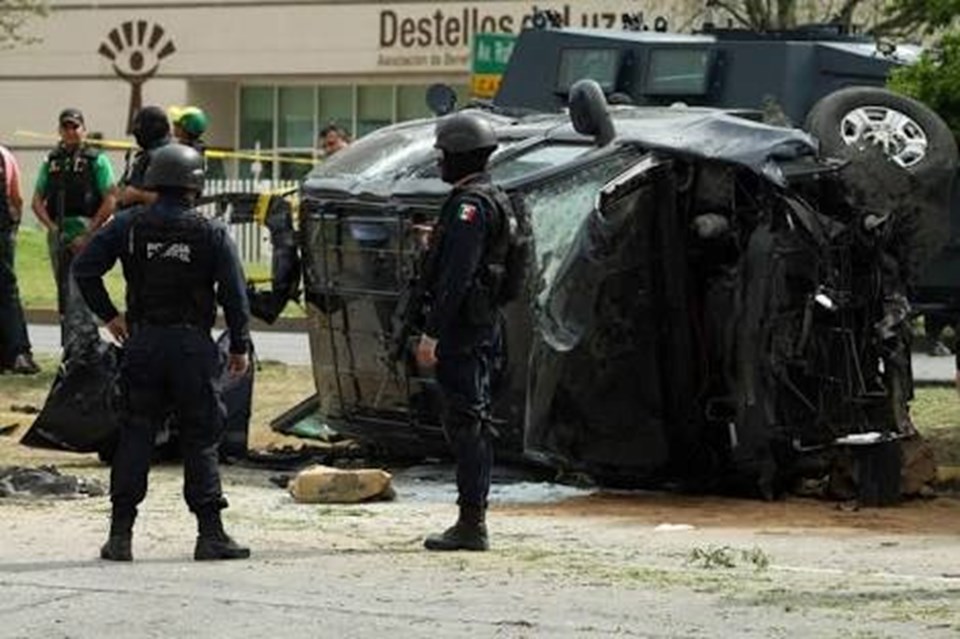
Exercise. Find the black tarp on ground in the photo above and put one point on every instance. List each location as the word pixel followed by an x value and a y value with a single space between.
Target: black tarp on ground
pixel 82 411
pixel 80 414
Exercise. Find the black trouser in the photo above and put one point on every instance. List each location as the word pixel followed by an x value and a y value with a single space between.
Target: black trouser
pixel 168 368
pixel 79 335
pixel 463 372
pixel 13 327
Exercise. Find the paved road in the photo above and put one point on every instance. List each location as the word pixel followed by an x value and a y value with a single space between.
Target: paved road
pixel 293 348
pixel 289 348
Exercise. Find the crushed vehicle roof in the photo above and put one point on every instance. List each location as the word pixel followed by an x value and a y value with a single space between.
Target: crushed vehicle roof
pixel 371 165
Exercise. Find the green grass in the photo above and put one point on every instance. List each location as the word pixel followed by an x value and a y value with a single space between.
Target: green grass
pixel 936 414
pixel 39 292
pixel 35 277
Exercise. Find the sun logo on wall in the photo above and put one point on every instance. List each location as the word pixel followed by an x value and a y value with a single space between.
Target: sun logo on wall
pixel 136 49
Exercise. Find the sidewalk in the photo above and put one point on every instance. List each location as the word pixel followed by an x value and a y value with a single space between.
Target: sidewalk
pixel 291 348
pixel 282 325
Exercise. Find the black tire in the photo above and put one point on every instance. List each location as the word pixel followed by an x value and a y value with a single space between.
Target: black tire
pixel 920 189
pixel 825 118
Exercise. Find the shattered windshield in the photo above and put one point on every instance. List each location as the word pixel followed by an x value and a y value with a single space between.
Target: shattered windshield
pixel 558 209
pixel 541 157
pixel 389 152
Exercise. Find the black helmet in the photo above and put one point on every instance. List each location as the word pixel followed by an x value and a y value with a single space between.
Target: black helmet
pixel 175 166
pixel 463 133
pixel 150 127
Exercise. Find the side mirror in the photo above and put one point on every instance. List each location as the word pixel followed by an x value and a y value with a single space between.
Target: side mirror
pixel 588 112
pixel 441 99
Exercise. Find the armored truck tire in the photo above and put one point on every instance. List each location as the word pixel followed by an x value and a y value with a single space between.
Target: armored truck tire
pixel 911 134
pixel 864 125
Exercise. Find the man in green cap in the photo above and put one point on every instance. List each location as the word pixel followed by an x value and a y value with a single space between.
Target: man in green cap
pixel 75 194
pixel 189 125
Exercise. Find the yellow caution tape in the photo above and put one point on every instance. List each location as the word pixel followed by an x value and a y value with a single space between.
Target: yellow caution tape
pixel 262 206
pixel 210 153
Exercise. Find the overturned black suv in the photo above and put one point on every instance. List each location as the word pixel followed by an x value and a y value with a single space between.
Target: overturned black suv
pixel 709 298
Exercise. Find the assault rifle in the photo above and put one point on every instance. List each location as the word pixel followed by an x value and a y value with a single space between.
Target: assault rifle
pixel 409 316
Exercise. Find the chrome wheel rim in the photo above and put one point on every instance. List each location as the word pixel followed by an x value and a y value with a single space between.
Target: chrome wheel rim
pixel 899 135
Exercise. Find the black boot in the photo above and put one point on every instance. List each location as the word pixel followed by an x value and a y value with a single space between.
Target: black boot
pixel 213 542
pixel 118 546
pixel 469 533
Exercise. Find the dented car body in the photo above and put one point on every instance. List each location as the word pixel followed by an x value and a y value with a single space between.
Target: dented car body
pixel 708 298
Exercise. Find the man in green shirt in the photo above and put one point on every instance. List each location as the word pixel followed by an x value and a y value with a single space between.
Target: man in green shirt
pixel 75 194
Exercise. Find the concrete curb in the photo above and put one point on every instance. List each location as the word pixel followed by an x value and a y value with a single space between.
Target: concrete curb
pixel 282 325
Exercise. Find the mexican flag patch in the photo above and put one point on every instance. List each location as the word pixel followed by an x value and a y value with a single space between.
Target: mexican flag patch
pixel 468 213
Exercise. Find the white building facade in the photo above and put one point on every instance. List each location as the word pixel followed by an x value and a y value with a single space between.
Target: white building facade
pixel 270 74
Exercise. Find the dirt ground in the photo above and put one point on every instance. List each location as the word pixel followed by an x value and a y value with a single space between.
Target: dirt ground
pixel 564 563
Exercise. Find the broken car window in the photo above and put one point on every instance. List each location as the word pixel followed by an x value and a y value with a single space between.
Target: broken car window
pixel 559 207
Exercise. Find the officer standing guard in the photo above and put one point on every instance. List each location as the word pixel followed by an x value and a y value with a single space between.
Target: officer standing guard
pixel 75 195
pixel 151 129
pixel 461 336
pixel 177 265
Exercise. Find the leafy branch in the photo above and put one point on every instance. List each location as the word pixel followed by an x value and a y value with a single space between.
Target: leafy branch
pixel 14 16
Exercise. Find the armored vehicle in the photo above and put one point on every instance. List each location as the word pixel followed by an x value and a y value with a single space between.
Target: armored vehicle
pixel 710 297
pixel 817 77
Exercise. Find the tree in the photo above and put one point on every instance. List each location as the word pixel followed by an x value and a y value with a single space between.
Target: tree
pixel 935 80
pixel 894 17
pixel 14 16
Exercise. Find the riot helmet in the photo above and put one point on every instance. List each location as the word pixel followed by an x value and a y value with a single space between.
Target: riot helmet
pixel 175 167
pixel 465 141
pixel 465 132
pixel 150 127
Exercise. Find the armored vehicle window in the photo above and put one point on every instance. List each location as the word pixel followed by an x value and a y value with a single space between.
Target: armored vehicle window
pixel 677 72
pixel 540 157
pixel 559 206
pixel 595 64
pixel 381 154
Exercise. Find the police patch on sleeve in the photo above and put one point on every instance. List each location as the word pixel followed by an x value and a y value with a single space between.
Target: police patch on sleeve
pixel 467 213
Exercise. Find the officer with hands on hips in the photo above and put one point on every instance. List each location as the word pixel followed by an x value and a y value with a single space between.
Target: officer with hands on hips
pixel 178 265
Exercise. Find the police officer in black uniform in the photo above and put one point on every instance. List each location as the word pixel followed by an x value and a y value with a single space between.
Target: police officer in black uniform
pixel 461 335
pixel 177 265
pixel 151 129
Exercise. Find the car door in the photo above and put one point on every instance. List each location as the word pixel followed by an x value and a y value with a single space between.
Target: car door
pixel 600 389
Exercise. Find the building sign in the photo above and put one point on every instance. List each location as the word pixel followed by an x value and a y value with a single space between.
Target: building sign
pixel 299 39
pixel 431 36
pixel 491 53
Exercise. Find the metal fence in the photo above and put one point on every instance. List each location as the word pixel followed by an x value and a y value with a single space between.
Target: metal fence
pixel 252 239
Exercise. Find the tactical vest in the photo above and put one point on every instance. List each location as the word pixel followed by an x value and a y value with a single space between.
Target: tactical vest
pixel 171 270
pixel 72 183
pixel 6 220
pixel 505 261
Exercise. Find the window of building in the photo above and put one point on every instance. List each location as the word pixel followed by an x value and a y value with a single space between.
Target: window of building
pixel 256 117
pixel 374 108
pixel 285 120
pixel 412 102
pixel 335 105
pixel 295 115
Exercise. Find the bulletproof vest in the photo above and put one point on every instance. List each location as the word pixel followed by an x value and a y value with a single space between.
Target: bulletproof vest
pixel 72 183
pixel 508 250
pixel 171 270
pixel 136 170
pixel 6 220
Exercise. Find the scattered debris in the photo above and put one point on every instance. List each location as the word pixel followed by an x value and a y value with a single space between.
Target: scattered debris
pixel 326 485
pixel 673 528
pixel 46 482
pixel 26 409
pixel 713 557
pixel 6 431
